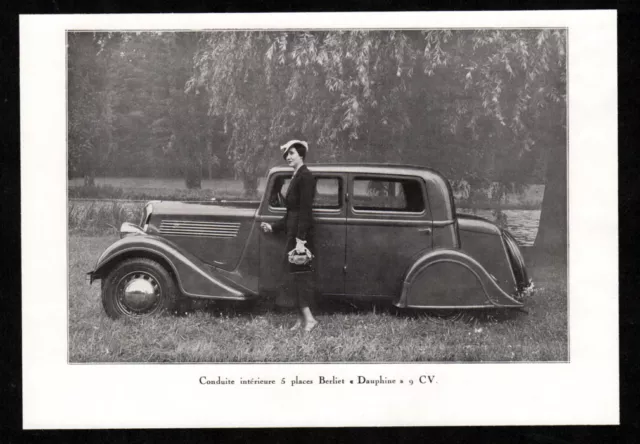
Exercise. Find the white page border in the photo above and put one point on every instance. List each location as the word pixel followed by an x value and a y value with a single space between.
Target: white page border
pixel 584 391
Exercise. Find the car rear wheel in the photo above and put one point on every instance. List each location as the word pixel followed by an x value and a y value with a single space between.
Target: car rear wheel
pixel 138 287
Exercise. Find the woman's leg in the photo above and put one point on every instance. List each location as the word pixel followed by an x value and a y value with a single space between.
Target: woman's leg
pixel 289 291
pixel 306 290
pixel 307 318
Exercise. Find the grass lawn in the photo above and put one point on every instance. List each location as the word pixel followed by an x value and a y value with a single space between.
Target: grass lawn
pixel 366 333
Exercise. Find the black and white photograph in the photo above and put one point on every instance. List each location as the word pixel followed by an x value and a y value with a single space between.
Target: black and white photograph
pixel 430 159
pixel 280 209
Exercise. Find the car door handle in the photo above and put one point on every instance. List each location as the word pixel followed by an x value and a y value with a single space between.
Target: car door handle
pixel 424 230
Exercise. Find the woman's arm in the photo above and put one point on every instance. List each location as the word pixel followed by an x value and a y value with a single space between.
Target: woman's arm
pixel 307 189
pixel 279 225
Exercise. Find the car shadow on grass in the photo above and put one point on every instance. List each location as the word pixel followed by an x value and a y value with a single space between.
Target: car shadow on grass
pixel 334 306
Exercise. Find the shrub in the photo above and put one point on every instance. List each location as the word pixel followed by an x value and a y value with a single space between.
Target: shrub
pixel 96 192
pixel 111 192
pixel 102 217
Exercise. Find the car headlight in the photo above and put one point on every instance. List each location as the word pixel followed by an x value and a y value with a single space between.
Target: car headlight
pixel 146 216
pixel 129 229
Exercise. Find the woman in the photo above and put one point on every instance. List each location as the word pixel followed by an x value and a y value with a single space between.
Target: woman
pixel 298 288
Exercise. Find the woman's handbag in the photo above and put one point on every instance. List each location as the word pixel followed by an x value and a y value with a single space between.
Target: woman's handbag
pixel 304 258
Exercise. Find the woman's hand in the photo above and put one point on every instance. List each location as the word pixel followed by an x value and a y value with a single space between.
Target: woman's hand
pixel 267 228
pixel 300 248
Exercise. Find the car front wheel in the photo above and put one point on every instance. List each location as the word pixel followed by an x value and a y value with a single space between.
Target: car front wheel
pixel 138 287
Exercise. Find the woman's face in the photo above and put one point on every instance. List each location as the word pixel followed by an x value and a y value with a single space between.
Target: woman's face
pixel 293 158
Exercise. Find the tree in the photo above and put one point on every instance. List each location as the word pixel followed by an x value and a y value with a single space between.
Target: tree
pixel 160 125
pixel 190 126
pixel 90 105
pixel 521 79
pixel 486 106
pixel 129 113
pixel 483 107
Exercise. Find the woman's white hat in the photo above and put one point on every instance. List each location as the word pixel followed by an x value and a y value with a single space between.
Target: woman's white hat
pixel 284 148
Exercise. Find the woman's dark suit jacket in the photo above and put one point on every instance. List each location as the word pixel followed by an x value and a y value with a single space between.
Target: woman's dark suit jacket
pixel 297 222
pixel 299 284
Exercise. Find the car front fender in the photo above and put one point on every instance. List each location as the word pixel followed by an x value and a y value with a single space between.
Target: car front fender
pixel 193 277
pixel 451 279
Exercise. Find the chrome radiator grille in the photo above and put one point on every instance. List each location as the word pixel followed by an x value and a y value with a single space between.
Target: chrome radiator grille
pixel 199 228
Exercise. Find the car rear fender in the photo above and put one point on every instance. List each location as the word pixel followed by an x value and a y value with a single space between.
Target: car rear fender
pixel 451 279
pixel 193 277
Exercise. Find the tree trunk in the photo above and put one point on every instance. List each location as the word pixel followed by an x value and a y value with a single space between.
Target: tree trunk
pixel 193 175
pixel 209 158
pixel 551 242
pixel 89 175
pixel 89 180
pixel 250 183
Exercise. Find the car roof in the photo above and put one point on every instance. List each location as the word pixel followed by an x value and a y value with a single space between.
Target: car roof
pixel 374 168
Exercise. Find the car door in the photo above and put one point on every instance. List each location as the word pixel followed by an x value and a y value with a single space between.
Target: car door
pixel 388 224
pixel 329 222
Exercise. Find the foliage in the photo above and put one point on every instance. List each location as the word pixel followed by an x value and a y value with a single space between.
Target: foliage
pixel 150 126
pixel 98 192
pixel 481 106
pixel 179 194
pixel 476 104
pixel 91 117
pixel 101 217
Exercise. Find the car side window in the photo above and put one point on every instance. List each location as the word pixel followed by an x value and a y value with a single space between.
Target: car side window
pixel 387 194
pixel 279 191
pixel 327 194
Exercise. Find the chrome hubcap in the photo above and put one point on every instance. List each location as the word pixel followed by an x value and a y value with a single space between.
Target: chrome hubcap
pixel 139 293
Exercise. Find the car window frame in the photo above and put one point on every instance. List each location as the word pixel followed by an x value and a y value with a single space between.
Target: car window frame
pixel 323 210
pixel 426 211
pixel 341 193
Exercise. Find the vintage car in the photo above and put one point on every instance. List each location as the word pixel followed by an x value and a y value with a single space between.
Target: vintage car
pixel 382 232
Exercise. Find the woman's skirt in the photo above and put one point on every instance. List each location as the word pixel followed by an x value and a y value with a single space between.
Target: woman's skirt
pixel 298 281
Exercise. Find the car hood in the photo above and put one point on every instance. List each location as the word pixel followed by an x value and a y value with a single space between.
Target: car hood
pixel 170 208
pixel 476 224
